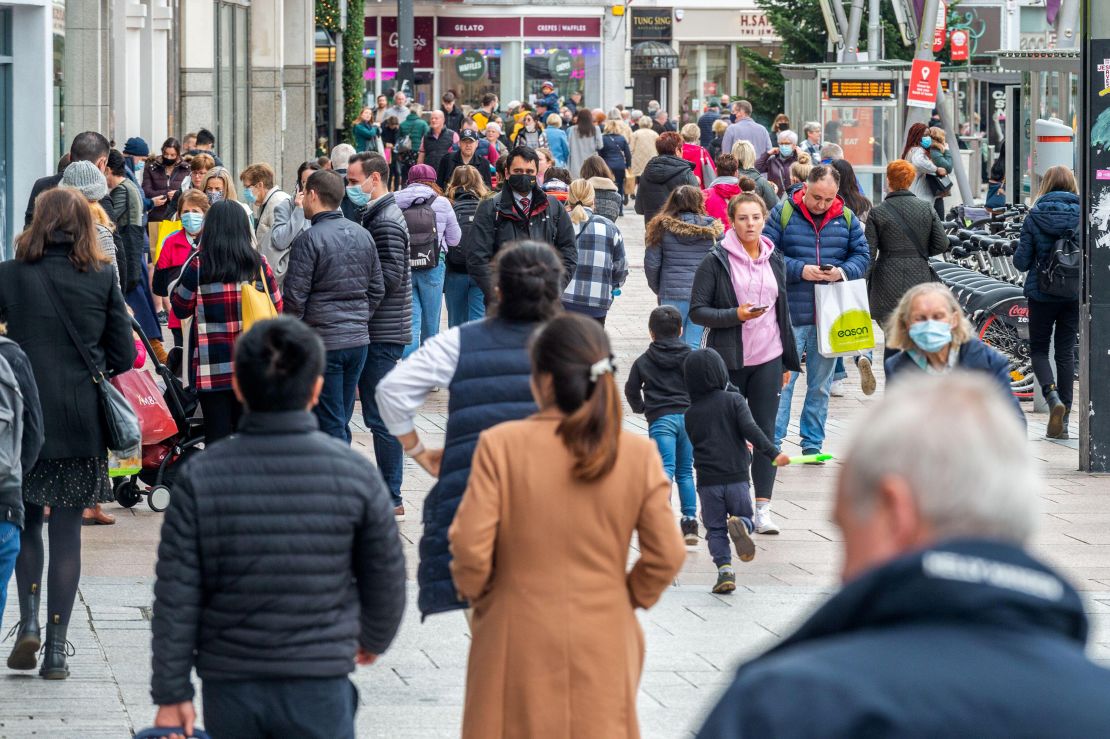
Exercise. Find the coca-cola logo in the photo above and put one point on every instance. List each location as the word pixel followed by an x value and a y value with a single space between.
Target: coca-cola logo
pixel 418 42
pixel 1019 311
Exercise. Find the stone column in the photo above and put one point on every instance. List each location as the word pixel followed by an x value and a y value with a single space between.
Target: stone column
pixel 154 113
pixel 196 49
pixel 614 69
pixel 87 68
pixel 267 42
pixel 299 93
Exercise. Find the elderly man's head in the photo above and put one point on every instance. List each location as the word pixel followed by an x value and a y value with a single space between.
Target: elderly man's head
pixel 821 189
pixel 938 458
pixel 400 98
pixel 831 152
pixel 436 119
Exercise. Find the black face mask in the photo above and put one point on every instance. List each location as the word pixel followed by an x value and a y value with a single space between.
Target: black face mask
pixel 169 162
pixel 522 184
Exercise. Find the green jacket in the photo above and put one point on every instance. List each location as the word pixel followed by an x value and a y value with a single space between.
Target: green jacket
pixel 414 127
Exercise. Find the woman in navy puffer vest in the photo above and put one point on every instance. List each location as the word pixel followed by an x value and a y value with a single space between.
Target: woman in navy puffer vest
pixel 1051 317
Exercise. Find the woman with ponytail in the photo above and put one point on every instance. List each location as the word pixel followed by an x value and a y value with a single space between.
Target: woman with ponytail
pixel 540 547
pixel 602 266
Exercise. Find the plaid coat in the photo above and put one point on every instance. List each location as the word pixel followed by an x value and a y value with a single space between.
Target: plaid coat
pixel 602 265
pixel 215 308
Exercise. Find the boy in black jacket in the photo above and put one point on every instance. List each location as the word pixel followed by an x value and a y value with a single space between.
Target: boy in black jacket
pixel 720 426
pixel 656 388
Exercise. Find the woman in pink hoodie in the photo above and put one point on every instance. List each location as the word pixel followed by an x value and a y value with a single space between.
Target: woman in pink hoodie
pixel 739 294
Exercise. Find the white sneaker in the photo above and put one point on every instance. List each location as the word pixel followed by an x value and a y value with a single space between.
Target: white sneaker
pixel 763 522
pixel 866 376
pixel 837 389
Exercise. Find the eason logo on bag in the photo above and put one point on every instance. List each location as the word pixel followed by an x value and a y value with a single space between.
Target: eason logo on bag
pixel 851 332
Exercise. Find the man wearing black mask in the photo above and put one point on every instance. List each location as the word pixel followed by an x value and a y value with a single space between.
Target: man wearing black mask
pixel 522 211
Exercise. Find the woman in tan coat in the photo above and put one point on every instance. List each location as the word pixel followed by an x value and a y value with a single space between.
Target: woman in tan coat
pixel 540 547
pixel 642 146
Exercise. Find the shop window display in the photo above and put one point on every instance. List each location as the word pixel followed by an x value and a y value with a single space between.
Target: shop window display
pixel 572 66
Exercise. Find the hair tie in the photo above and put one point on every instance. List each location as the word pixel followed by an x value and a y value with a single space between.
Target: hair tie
pixel 601 367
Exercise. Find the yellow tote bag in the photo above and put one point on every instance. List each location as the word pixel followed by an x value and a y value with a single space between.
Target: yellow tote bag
pixel 165 230
pixel 254 304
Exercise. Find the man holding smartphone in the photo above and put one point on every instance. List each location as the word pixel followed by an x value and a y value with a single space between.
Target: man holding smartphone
pixel 821 241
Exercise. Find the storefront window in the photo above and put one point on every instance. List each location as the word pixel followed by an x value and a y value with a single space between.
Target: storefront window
pixel 703 74
pixel 869 138
pixel 573 66
pixel 470 70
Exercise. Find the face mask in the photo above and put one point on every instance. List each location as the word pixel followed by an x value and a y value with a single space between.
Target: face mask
pixel 786 150
pixel 530 128
pixel 522 184
pixel 192 222
pixel 357 196
pixel 139 166
pixel 169 162
pixel 931 336
pixel 248 196
pixel 215 196
pixel 926 142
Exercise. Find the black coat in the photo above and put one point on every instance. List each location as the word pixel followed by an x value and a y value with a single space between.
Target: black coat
pixel 656 386
pixel 968 638
pixel 334 282
pixel 713 304
pixel 279 557
pixel 454 119
pixel 72 419
pixel 391 323
pixel 903 231
pixel 42 184
pixel 11 491
pixel 497 223
pixel 663 175
pixel 452 161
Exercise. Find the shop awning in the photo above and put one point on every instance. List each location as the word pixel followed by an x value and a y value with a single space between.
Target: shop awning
pixel 653 55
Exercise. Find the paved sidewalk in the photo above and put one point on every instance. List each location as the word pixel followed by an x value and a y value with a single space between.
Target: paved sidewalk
pixel 694 639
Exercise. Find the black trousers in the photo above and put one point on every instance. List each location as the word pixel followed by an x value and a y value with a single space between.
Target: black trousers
pixel 320 708
pixel 1059 321
pixel 761 385
pixel 222 411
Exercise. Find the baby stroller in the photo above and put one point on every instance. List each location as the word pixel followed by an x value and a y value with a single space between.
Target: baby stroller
pixel 161 461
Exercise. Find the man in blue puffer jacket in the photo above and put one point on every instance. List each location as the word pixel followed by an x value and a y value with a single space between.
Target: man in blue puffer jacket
pixel 813 229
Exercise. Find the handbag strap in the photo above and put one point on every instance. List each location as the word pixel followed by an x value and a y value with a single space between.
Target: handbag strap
pixel 920 250
pixel 56 301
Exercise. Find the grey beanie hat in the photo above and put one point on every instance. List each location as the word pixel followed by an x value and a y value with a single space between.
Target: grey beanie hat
pixel 86 178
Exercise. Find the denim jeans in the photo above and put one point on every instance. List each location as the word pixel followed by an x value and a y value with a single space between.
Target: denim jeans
pixel 9 551
pixel 718 502
pixel 427 302
pixel 691 332
pixel 390 456
pixel 337 400
pixel 669 434
pixel 465 300
pixel 307 708
pixel 819 372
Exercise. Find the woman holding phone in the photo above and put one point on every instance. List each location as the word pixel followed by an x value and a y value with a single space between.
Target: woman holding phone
pixel 739 294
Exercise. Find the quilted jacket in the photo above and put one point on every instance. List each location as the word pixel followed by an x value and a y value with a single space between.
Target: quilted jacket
pixel 670 266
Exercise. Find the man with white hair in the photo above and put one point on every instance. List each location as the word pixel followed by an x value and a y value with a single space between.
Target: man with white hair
pixel 812 143
pixel 831 152
pixel 945 625
pixel 746 128
pixel 399 109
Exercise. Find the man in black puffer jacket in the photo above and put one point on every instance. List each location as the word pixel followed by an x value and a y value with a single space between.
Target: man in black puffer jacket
pixel 663 175
pixel 334 284
pixel 280 565
pixel 391 324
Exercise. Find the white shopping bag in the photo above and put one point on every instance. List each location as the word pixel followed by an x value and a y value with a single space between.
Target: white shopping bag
pixel 843 318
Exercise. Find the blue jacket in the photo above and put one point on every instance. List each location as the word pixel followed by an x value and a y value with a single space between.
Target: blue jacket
pixel 705 126
pixel 967 638
pixel 801 242
pixel 671 262
pixel 551 100
pixel 974 356
pixel 615 152
pixel 1053 215
pixel 558 145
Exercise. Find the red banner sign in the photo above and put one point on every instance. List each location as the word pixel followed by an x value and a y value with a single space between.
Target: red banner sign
pixel 423 42
pixel 924 81
pixel 960 50
pixel 941 34
pixel 478 27
pixel 562 27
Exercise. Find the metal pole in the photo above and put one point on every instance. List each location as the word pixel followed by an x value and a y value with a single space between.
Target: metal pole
pixel 1067 25
pixel 927 28
pixel 841 19
pixel 874 30
pixel 406 59
pixel 957 161
pixel 851 37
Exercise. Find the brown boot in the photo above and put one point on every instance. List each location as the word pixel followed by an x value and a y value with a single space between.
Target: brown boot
pixel 159 350
pixel 96 517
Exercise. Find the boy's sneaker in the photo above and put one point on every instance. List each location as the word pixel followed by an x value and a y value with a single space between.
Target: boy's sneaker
pixel 866 376
pixel 837 389
pixel 764 524
pixel 741 538
pixel 726 580
pixel 690 530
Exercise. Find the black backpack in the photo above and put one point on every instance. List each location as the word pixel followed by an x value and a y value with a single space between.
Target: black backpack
pixel 465 208
pixel 423 234
pixel 1060 273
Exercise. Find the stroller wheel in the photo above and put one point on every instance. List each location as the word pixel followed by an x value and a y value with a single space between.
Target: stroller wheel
pixel 158 498
pixel 127 495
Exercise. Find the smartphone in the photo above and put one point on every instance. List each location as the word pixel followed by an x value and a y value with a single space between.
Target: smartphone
pixel 759 308
pixel 826 267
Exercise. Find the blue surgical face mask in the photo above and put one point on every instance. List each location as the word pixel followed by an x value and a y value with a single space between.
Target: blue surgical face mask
pixel 931 336
pixel 357 196
pixel 248 196
pixel 139 164
pixel 192 223
pixel 926 142
pixel 786 149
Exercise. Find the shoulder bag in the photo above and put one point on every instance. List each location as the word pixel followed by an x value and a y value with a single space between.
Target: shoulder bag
pixel 121 421
pixel 255 305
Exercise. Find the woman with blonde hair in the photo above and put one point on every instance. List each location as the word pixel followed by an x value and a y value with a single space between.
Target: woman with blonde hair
pixel 568 473
pixel 932 335
pixel 1053 313
pixel 616 154
pixel 87 180
pixel 465 301
pixel 642 146
pixel 745 156
pixel 602 266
